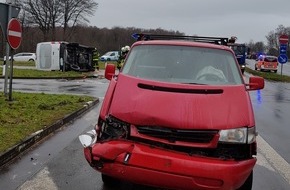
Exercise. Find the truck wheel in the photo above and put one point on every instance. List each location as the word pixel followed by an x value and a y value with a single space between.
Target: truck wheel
pixel 248 183
pixel 110 181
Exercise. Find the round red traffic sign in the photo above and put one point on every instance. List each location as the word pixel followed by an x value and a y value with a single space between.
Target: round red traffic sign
pixel 14 33
pixel 283 39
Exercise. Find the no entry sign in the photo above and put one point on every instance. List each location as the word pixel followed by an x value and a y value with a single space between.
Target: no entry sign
pixel 283 39
pixel 14 33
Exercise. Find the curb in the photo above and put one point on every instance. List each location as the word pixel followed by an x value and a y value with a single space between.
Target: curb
pixel 16 150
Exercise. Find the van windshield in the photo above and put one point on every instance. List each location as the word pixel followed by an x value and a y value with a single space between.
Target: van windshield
pixel 183 64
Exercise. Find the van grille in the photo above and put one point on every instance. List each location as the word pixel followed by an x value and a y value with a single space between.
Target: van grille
pixel 173 135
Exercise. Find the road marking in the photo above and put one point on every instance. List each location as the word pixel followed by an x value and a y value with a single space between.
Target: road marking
pixel 273 158
pixel 41 181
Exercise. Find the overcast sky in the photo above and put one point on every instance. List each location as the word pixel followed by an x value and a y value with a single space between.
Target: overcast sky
pixel 246 19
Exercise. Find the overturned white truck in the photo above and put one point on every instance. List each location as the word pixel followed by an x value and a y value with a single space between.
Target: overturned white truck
pixel 64 56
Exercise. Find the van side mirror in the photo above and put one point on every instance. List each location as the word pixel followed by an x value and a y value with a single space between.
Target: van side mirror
pixel 256 83
pixel 110 71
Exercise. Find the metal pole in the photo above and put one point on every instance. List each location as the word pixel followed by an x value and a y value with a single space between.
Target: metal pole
pixel 6 66
pixel 282 72
pixel 11 77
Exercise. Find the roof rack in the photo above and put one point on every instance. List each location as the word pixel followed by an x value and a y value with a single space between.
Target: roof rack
pixel 214 40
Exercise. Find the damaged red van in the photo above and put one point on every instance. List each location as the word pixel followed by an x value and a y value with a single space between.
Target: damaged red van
pixel 177 116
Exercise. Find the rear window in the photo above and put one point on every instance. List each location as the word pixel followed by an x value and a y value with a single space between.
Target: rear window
pixel 183 64
pixel 270 59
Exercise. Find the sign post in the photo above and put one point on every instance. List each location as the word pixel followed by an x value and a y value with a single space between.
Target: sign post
pixel 7 11
pixel 282 59
pixel 14 33
pixel 14 37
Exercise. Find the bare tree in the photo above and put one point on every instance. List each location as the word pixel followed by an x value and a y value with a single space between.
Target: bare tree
pixel 273 39
pixel 38 13
pixel 273 36
pixel 49 14
pixel 76 12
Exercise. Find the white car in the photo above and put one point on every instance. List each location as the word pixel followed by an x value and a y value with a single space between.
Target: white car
pixel 110 56
pixel 24 56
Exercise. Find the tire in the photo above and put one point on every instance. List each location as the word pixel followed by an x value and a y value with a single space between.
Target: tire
pixel 256 68
pixel 31 60
pixel 248 183
pixel 75 67
pixel 108 59
pixel 110 181
pixel 275 71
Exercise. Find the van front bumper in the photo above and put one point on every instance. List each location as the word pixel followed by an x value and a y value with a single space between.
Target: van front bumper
pixel 143 164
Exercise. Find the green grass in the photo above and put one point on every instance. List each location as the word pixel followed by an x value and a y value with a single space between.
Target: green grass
pixel 28 113
pixel 39 73
pixel 271 76
pixel 49 74
pixel 20 63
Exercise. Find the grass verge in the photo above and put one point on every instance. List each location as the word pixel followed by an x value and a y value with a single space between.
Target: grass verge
pixel 33 73
pixel 269 75
pixel 28 113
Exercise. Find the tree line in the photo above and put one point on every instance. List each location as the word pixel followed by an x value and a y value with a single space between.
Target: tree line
pixel 67 20
pixel 272 40
pixel 103 39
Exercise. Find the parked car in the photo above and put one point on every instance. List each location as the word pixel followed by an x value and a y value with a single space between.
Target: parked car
pixel 110 56
pixel 179 116
pixel 267 63
pixel 24 57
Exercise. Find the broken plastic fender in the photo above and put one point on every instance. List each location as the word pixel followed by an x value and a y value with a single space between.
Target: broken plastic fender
pixel 110 150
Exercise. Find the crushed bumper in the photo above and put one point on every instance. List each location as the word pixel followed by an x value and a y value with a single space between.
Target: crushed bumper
pixel 152 166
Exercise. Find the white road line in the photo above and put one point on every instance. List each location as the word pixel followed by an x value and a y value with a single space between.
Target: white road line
pixel 273 158
pixel 41 181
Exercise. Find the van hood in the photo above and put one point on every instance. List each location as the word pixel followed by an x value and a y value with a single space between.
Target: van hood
pixel 181 106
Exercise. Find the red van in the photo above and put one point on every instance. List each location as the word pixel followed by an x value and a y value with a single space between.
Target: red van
pixel 177 116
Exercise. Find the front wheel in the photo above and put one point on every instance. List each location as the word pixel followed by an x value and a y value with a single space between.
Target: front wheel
pixel 248 183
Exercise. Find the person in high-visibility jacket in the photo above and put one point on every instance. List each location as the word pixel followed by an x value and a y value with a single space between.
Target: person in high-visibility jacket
pixel 122 57
pixel 96 56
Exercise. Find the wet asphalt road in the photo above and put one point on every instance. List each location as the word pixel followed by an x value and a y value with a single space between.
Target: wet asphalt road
pixel 284 68
pixel 91 87
pixel 58 163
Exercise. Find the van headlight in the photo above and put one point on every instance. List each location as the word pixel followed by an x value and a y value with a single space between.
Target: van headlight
pixel 113 128
pixel 239 135
pixel 88 139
